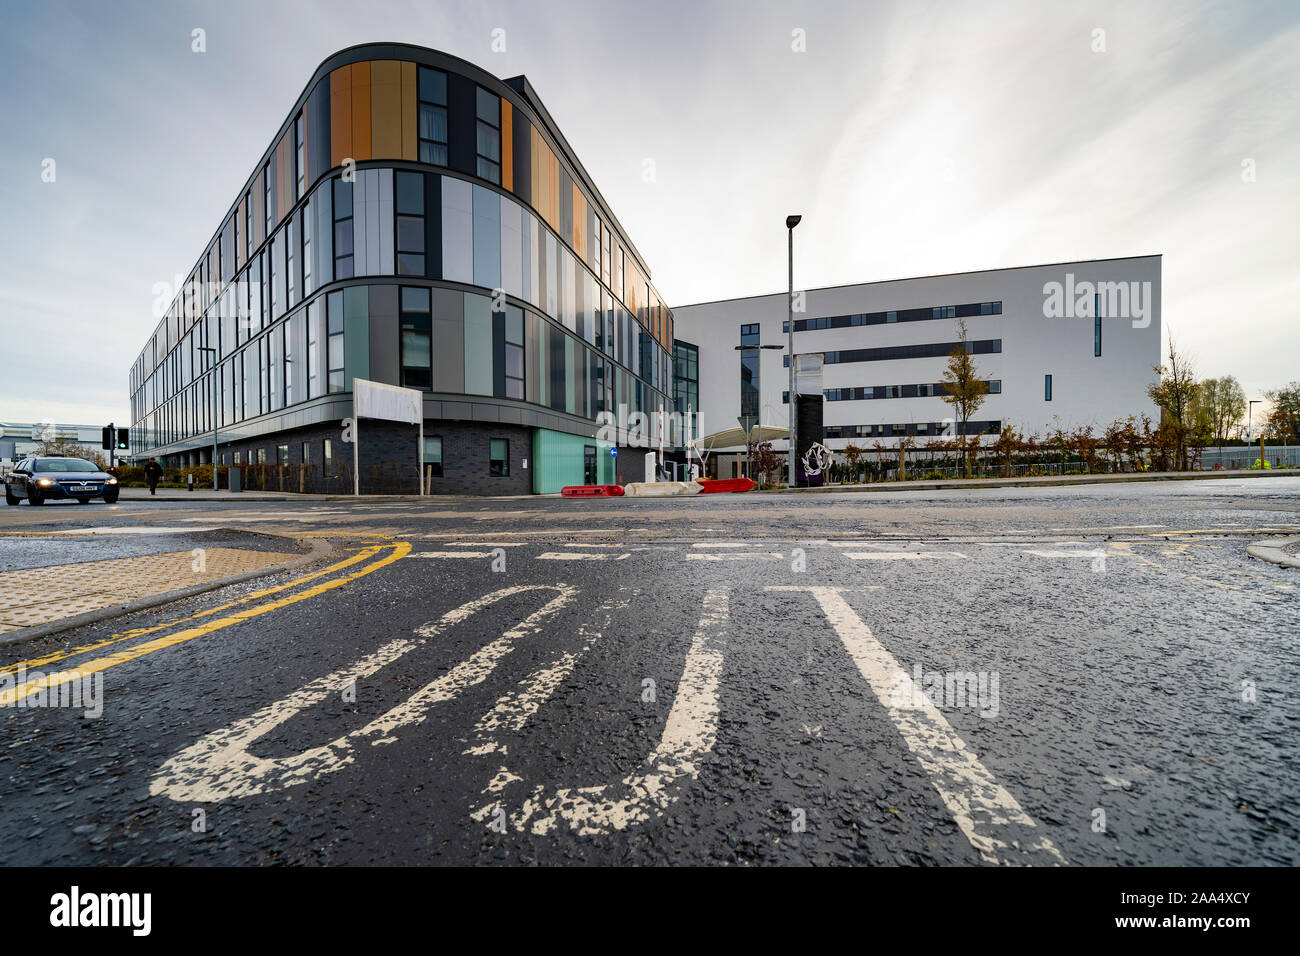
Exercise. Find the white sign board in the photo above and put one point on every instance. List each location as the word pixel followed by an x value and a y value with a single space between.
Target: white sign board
pixel 390 403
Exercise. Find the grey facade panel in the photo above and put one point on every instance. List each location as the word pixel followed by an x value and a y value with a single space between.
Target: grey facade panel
pixel 385 335
pixel 448 341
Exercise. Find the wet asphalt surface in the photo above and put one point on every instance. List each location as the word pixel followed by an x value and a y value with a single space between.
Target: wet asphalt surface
pixel 1147 669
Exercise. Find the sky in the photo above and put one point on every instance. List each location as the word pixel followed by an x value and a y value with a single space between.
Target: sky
pixel 914 137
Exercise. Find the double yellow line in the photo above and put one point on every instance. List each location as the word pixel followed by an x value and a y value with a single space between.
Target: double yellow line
pixel 395 552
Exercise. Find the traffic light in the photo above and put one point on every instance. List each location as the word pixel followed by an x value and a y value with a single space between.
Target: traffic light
pixel 123 439
pixel 108 437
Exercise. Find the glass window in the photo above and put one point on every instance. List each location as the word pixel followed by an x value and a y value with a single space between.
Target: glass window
pixel 282 454
pixel 410 223
pixel 1047 388
pixel 433 455
pixel 433 117
pixel 306 453
pixel 416 329
pixel 488 141
pixel 343 251
pixel 314 335
pixel 514 352
pixel 499 458
pixel 334 347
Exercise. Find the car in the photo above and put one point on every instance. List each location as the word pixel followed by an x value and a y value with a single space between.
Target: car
pixel 40 479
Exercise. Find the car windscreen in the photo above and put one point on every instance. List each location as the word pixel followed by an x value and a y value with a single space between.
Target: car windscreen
pixel 65 465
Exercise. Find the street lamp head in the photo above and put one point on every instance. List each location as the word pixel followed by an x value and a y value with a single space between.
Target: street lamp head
pixel 792 221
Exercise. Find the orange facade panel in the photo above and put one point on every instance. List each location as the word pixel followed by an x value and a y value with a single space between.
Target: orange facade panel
pixel 385 109
pixel 554 199
pixel 410 113
pixel 361 115
pixel 340 115
pixel 241 228
pixel 284 183
pixel 579 223
pixel 259 214
pixel 507 145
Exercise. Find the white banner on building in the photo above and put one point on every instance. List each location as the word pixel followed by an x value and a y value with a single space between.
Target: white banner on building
pixel 390 403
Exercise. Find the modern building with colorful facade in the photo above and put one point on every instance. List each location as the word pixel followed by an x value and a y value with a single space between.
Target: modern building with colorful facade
pixel 415 222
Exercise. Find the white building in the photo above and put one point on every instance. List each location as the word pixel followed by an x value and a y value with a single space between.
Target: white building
pixel 20 439
pixel 1032 330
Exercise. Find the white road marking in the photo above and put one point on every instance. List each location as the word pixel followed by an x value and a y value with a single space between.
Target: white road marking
pixel 734 556
pixel 450 554
pixel 689 734
pixel 138 529
pixel 486 544
pixel 574 556
pixel 904 555
pixel 1095 553
pixel 982 809
pixel 513 711
pixel 721 544
pixel 219 765
pixel 1109 527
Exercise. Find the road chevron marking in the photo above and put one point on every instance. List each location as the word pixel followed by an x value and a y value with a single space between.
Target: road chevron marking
pixel 689 734
pixel 219 766
pixel 513 711
pixel 997 827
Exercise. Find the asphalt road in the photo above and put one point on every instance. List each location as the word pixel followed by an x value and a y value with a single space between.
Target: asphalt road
pixel 1089 675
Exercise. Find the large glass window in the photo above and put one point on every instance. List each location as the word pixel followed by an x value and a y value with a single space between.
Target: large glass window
pixel 749 380
pixel 416 328
pixel 314 334
pixel 334 348
pixel 499 458
pixel 410 223
pixel 514 352
pixel 488 106
pixel 433 116
pixel 343 250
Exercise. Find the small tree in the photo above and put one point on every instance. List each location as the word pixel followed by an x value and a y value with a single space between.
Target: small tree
pixel 1007 444
pixel 764 462
pixel 1175 395
pixel 905 444
pixel 1085 445
pixel 964 390
pixel 1285 414
pixel 852 456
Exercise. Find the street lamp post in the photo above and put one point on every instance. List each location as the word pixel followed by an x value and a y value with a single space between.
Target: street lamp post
pixel 213 370
pixel 790 223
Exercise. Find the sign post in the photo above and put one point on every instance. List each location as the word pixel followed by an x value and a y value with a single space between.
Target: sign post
pixel 389 403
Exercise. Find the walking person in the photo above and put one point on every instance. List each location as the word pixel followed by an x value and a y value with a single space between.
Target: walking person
pixel 152 474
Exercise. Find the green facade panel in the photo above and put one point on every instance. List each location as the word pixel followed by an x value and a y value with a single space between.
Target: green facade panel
pixel 558 461
pixel 356 333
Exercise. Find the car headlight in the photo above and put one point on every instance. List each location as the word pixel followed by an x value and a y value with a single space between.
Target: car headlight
pixel 44 482
pixel 111 481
